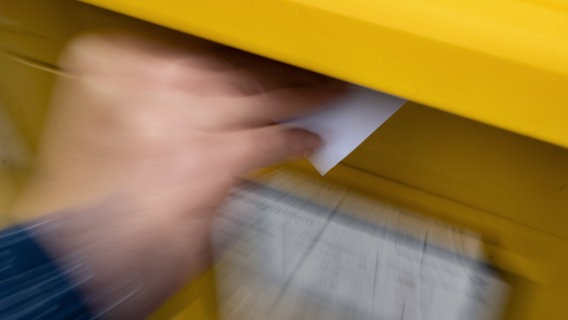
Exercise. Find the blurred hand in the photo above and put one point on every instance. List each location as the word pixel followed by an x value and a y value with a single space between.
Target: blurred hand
pixel 173 120
pixel 163 123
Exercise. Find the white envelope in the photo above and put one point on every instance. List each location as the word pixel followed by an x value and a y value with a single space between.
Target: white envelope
pixel 346 123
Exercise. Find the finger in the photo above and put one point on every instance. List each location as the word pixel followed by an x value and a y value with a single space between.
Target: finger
pixel 241 61
pixel 284 104
pixel 270 107
pixel 237 59
pixel 243 73
pixel 253 149
pixel 258 66
pixel 217 112
pixel 216 57
pixel 248 82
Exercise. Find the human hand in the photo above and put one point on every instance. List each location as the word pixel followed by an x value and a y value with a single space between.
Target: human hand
pixel 164 124
pixel 171 119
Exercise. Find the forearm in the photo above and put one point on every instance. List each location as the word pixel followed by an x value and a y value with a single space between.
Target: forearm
pixel 125 262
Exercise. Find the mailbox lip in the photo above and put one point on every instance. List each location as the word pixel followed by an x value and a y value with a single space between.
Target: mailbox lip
pixel 501 63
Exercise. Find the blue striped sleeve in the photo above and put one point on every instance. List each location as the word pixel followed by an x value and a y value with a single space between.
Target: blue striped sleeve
pixel 32 285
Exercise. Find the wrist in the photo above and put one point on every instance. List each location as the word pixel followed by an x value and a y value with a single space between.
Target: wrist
pixel 127 258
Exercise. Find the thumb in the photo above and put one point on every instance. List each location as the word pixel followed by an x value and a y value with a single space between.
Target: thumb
pixel 256 148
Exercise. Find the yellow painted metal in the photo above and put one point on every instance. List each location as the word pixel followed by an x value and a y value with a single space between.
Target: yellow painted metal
pixel 503 63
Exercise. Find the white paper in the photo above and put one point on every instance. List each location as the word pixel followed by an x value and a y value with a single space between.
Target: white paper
pixel 345 124
pixel 281 257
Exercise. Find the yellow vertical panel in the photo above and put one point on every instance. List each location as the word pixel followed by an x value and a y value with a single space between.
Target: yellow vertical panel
pixel 494 170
